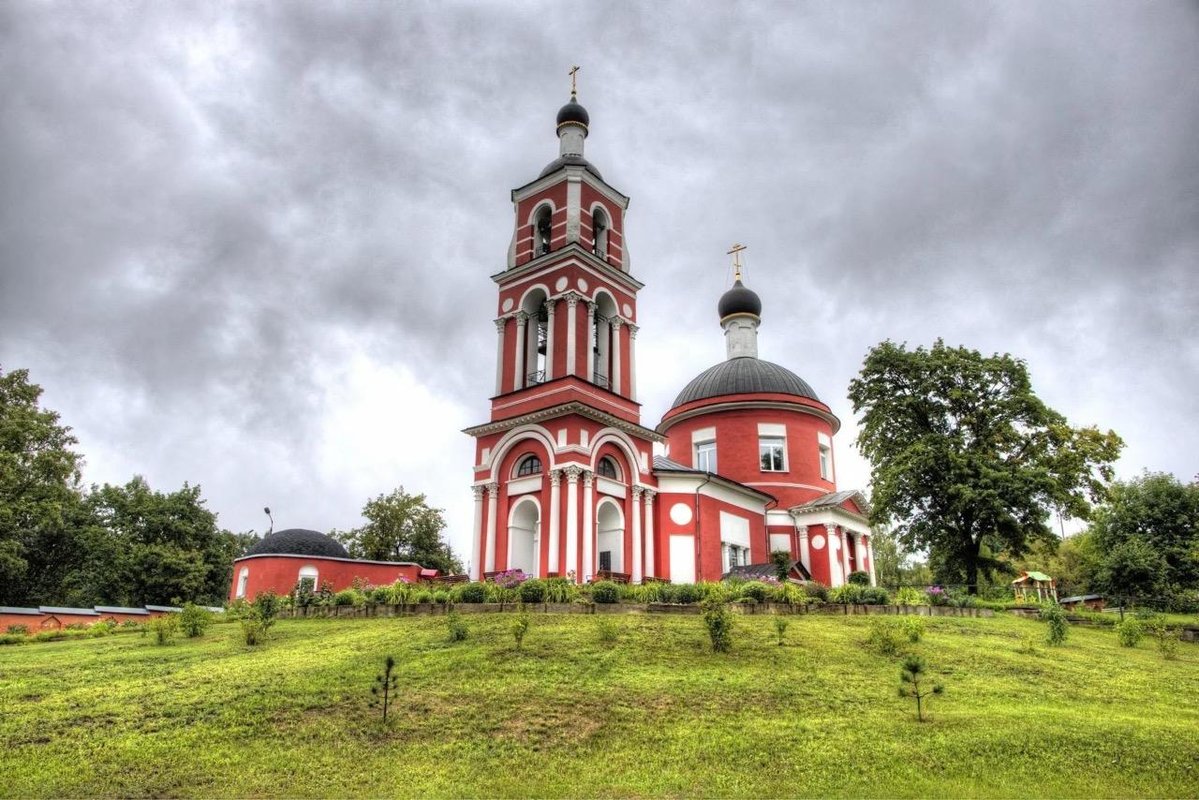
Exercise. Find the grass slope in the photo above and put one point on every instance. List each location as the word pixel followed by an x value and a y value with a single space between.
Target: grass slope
pixel 652 714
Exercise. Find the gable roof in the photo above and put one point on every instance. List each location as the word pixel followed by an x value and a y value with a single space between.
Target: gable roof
pixel 758 571
pixel 838 500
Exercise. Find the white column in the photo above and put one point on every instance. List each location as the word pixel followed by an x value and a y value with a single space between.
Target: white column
pixel 555 502
pixel 614 378
pixel 650 566
pixel 588 569
pixel 637 534
pixel 587 354
pixel 832 531
pixel 572 300
pixel 845 553
pixel 476 555
pixel 500 324
pixel 572 516
pixel 550 305
pixel 633 366
pixel 870 559
pixel 805 550
pixel 518 380
pixel 493 502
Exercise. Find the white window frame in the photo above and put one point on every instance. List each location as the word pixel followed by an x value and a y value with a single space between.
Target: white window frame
pixel 705 456
pixel 243 581
pixel 825 445
pixel 772 442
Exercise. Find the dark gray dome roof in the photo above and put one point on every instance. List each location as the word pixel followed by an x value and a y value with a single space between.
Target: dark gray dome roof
pixel 573 161
pixel 739 300
pixel 299 542
pixel 744 375
pixel 573 112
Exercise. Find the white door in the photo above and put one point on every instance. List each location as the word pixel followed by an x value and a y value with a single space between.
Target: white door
pixel 682 559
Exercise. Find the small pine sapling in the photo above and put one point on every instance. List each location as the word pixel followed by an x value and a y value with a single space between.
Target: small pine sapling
pixel 520 626
pixel 383 692
pixel 913 682
pixel 780 627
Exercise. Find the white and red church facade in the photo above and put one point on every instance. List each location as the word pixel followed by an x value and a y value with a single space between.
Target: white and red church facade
pixel 566 481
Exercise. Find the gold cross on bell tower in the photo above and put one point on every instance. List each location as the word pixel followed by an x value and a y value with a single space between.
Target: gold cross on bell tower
pixel 573 88
pixel 736 254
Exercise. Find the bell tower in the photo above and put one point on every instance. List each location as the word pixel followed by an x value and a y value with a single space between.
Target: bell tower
pixel 565 380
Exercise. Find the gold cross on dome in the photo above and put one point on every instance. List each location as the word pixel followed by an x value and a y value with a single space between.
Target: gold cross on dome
pixel 573 89
pixel 736 254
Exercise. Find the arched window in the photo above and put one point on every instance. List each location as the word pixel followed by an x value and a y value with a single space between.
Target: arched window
pixel 308 579
pixel 599 233
pixel 607 469
pixel 242 580
pixel 542 231
pixel 529 465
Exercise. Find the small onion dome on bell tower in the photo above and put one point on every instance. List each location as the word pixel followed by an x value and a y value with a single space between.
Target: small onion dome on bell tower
pixel 740 311
pixel 573 113
pixel 739 300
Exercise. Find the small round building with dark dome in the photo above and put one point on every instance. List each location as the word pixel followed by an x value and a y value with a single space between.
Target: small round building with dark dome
pixel 287 560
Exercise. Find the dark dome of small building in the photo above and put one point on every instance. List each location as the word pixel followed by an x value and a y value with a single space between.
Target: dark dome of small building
pixel 739 300
pixel 570 161
pixel 299 542
pixel 573 112
pixel 745 375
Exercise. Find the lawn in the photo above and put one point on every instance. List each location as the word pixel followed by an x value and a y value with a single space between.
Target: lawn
pixel 652 714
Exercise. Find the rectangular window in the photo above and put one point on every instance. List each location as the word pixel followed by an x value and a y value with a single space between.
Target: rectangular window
pixel 605 561
pixel 826 463
pixel 770 453
pixel 705 456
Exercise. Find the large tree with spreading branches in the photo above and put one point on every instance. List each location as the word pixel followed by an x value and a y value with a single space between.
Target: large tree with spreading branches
pixel 967 461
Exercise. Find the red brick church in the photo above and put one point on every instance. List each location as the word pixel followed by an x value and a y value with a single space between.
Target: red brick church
pixel 566 482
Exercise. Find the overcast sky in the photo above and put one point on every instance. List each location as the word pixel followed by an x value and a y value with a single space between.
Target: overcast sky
pixel 248 245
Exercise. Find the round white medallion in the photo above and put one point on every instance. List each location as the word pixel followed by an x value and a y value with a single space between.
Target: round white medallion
pixel 818 542
pixel 561 284
pixel 627 309
pixel 680 513
pixel 582 285
pixel 507 306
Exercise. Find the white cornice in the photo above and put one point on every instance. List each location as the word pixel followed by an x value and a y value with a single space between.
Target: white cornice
pixel 580 409
pixel 734 405
pixel 555 260
pixel 572 171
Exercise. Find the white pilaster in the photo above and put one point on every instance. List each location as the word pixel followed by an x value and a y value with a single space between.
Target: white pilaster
pixel 832 531
pixel 588 570
pixel 550 305
pixel 650 566
pixel 870 559
pixel 500 324
pixel 633 366
pixel 588 356
pixel 614 378
pixel 522 323
pixel 805 550
pixel 845 553
pixel 637 534
pixel 555 501
pixel 572 516
pixel 572 300
pixel 476 539
pixel 493 503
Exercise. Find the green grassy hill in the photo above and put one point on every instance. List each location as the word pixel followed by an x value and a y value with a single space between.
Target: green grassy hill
pixel 652 714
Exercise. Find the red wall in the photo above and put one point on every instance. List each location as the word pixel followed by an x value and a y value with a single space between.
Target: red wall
pixel 280 573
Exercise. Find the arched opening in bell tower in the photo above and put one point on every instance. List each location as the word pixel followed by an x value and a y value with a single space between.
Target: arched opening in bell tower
pixel 524 536
pixel 599 233
pixel 601 340
pixel 537 334
pixel 543 228
pixel 609 537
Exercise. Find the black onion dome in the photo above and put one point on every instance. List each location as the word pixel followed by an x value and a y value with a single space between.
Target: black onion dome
pixel 739 300
pixel 299 542
pixel 744 375
pixel 573 112
pixel 570 161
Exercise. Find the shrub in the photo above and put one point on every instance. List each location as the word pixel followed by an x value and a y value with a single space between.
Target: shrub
pixel 846 594
pixel 102 628
pixel 252 629
pixel 385 686
pixel 788 593
pixel 755 590
pixel 423 596
pixel 441 597
pixel 781 559
pixel 561 590
pixel 470 593
pixel 859 577
pixel 685 593
pixel 164 627
pixel 266 607
pixel 13 638
pixel 21 629
pixel 605 592
pixel 913 628
pixel 886 636
pixel 719 621
pixel 519 627
pixel 381 596
pixel 1057 627
pixel 913 682
pixel 936 596
pixel 346 597
pixel 402 592
pixel 238 609
pixel 1130 632
pixel 1167 638
pixel 457 628
pixel 780 627
pixel 875 596
pixel 532 591
pixel 817 590
pixel 606 629
pixel 193 620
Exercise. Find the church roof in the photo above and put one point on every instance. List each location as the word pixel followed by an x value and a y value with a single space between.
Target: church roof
pixel 570 161
pixel 744 375
pixel 299 542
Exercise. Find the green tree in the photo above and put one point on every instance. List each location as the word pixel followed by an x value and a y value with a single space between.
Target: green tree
pixel 1160 511
pixel 887 558
pixel 39 485
pixel 966 458
pixel 401 527
pixel 1133 571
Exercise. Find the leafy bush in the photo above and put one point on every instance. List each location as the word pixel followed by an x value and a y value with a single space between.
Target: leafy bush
pixel 846 594
pixel 1130 632
pixel 381 596
pixel 1167 637
pixel 606 629
pixel 519 627
pixel 457 628
pixel 605 592
pixel 266 607
pixel 781 559
pixel 561 590
pixel 164 627
pixel 817 590
pixel 755 590
pixel 684 593
pixel 910 596
pixel 238 609
pixel 886 636
pixel 470 593
pixel 102 628
pixel 913 628
pixel 532 591
pixel 423 596
pixel 194 620
pixel 788 593
pixel 780 627
pixel 349 597
pixel 21 629
pixel 875 596
pixel 913 682
pixel 13 638
pixel 1058 628
pixel 441 597
pixel 859 577
pixel 252 629
pixel 719 622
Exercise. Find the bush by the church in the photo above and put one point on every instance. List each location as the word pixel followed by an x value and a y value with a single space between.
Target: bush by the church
pixel 860 578
pixel 755 590
pixel 605 592
pixel 532 591
pixel 469 593
pixel 349 597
